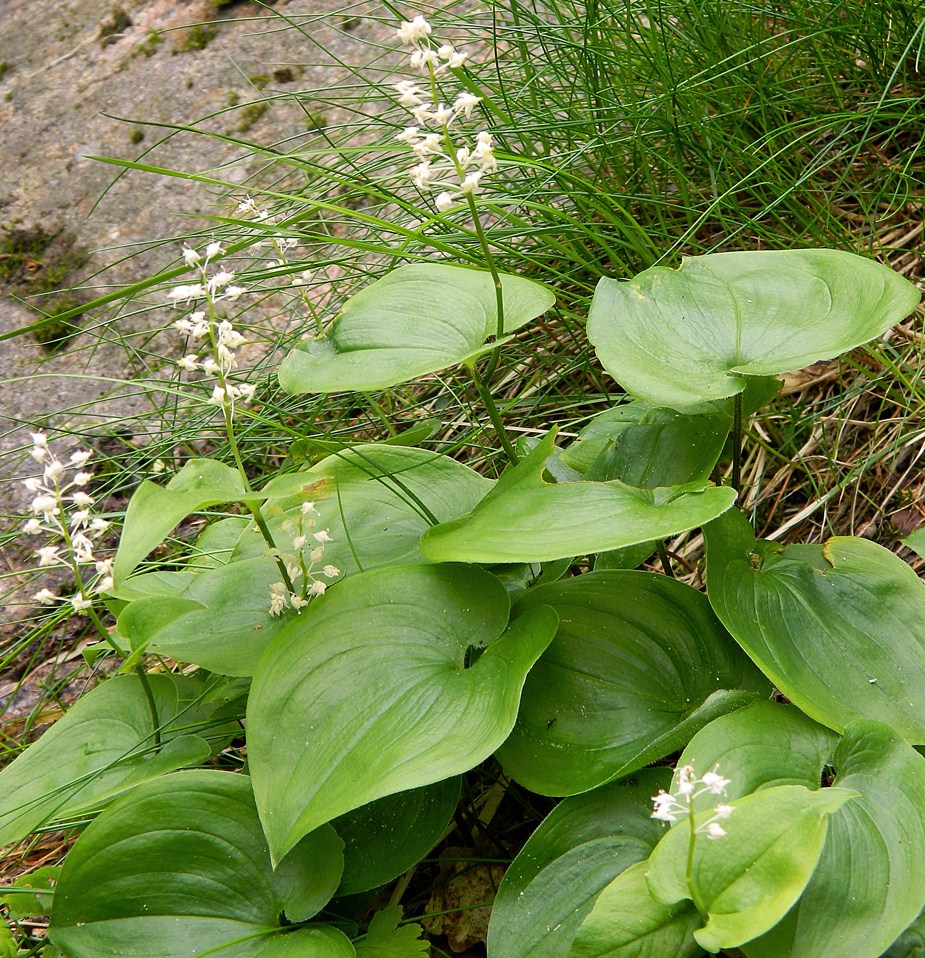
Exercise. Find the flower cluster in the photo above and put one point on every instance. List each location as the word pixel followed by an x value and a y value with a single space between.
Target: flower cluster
pixel 61 512
pixel 218 338
pixel 669 807
pixel 308 544
pixel 445 166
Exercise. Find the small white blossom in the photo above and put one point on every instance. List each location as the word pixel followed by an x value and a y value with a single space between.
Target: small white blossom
pixel 331 571
pixel 323 536
pixel 45 597
pixel 414 31
pixel 279 596
pixel 187 293
pixel 190 363
pixel 79 603
pixel 190 256
pixel 444 201
pixel 48 555
pixel 715 782
pixel 80 458
pixel 465 103
pixel 317 588
pixel 82 478
pixel 213 250
pixel 714 830
pixel 218 397
pixel 32 527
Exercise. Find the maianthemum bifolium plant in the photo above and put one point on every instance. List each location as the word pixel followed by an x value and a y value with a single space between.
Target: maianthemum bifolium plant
pixel 382 619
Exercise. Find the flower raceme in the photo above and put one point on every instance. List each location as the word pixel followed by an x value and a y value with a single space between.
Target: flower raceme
pixel 205 331
pixel 61 511
pixel 670 807
pixel 445 166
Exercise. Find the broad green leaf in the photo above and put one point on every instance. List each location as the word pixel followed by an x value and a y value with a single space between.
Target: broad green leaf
pixel 375 501
pixel 675 337
pixel 639 663
pixel 154 510
pixel 181 866
pixel 747 881
pixel 384 839
pixel 627 922
pixel 911 943
pixel 368 692
pixel 762 745
pixel 385 938
pixel 649 447
pixel 102 745
pixel 524 519
pixel 839 628
pixel 916 542
pixel 849 909
pixel 221 620
pixel 581 846
pixel 415 320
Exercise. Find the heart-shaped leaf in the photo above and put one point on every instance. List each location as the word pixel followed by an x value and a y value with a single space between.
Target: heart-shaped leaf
pixel 102 745
pixel 326 734
pixel 385 838
pixel 524 519
pixel 847 909
pixel 221 620
pixel 677 337
pixel 627 922
pixel 839 628
pixel 581 846
pixel 180 867
pixel 415 320
pixel 844 909
pixel 154 510
pixel 374 500
pixel 747 881
pixel 639 663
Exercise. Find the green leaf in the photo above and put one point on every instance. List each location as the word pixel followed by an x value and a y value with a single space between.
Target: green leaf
pixel 639 663
pixel 311 449
pixel 385 838
pixel 581 846
pixel 154 510
pixel 33 893
pixel 916 542
pixel 415 320
pixel 677 337
pixel 839 628
pixel 375 501
pixel 326 734
pixel 911 943
pixel 181 866
pixel 386 939
pixel 852 910
pixel 221 620
pixel 524 519
pixel 627 922
pixel 102 745
pixel 747 881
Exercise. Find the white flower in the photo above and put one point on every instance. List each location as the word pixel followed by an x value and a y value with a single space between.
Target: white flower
pixel 189 363
pixel 82 478
pixel 308 508
pixel 32 527
pixel 105 584
pixel 45 597
pixel 53 471
pixel 190 256
pixel 444 201
pixel 317 588
pixel 723 811
pixel 186 294
pixel 322 536
pixel 423 175
pixel 413 32
pixel 298 542
pixel 465 103
pixel 425 60
pixel 246 392
pixel 220 280
pixel 98 526
pixel 79 603
pixel 715 830
pixel 82 499
pixel 33 484
pixel 39 440
pixel 80 458
pixel 409 94
pixel 686 780
pixel 234 292
pixel 444 115
pixel 715 782
pixel 47 555
pixel 331 571
pixel 214 249
pixel 471 183
pixel 217 398
pixel 664 807
pixel 297 603
pixel 278 598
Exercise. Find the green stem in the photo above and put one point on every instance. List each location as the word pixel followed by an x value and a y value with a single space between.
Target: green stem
pixel 737 444
pixel 664 558
pixel 692 841
pixel 494 415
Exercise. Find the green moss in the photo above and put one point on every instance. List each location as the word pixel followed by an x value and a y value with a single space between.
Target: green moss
pixel 259 80
pixel 34 261
pixel 196 37
pixel 249 115
pixel 111 30
pixel 4 68
pixel 283 75
pixel 135 135
pixel 148 47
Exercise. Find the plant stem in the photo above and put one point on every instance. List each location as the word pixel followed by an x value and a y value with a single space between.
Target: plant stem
pixel 494 415
pixel 664 559
pixel 692 841
pixel 737 444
